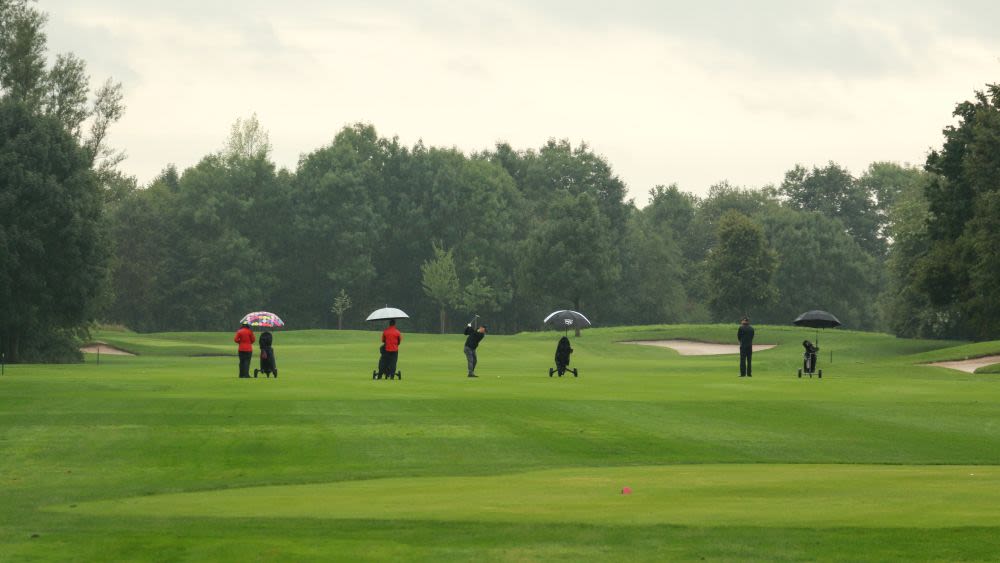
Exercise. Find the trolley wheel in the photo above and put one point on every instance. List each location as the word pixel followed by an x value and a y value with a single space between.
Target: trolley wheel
pixel 800 374
pixel 551 371
pixel 399 375
pixel 821 374
pixel 575 374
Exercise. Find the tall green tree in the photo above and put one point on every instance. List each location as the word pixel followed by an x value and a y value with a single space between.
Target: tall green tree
pixel 652 270
pixel 50 179
pixel 833 191
pixel 53 260
pixel 546 178
pixel 440 283
pixel 22 52
pixel 248 140
pixel 478 294
pixel 217 271
pixel 468 205
pixel 956 273
pixel 572 258
pixel 196 249
pixel 675 215
pixel 559 168
pixel 334 225
pixel 340 306
pixel 145 233
pixel 819 266
pixel 61 91
pixel 903 212
pixel 907 311
pixel 740 269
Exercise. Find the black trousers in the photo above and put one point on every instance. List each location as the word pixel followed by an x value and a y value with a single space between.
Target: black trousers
pixel 245 363
pixel 390 362
pixel 746 355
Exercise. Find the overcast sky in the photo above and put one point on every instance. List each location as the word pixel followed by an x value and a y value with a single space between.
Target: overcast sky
pixel 691 92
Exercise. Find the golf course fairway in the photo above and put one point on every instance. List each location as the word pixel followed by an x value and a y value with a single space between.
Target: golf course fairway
pixel 167 456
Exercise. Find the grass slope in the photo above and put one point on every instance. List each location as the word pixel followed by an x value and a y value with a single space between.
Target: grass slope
pixel 167 456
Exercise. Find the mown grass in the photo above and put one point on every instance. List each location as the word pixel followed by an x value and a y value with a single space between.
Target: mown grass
pixel 167 456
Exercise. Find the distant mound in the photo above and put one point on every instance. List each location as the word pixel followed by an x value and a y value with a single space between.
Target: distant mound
pixel 693 348
pixel 103 348
pixel 969 365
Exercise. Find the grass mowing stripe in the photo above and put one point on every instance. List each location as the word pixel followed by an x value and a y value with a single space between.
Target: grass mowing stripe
pixel 691 495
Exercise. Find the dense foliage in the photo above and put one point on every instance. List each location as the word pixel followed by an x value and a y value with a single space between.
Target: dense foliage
pixel 509 234
pixel 958 273
pixel 52 256
pixel 512 234
pixel 55 172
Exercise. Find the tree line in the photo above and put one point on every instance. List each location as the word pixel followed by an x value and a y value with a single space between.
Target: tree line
pixel 508 233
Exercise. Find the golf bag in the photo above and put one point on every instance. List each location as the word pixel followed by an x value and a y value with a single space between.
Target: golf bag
pixel 563 352
pixel 809 360
pixel 386 365
pixel 267 364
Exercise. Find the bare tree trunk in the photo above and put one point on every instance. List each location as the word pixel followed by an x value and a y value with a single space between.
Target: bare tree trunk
pixel 340 322
pixel 444 320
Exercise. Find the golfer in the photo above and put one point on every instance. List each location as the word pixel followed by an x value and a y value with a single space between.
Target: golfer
pixel 245 338
pixel 745 335
pixel 475 336
pixel 391 338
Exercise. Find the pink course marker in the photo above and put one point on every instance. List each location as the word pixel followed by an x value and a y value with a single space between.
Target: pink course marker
pixel 626 490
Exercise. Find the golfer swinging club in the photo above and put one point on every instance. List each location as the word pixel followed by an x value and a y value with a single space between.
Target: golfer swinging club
pixel 474 337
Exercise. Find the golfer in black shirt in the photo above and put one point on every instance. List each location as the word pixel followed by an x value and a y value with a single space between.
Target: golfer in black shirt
pixel 475 336
pixel 745 336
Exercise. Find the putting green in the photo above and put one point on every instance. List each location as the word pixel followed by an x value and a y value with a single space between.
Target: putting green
pixel 818 496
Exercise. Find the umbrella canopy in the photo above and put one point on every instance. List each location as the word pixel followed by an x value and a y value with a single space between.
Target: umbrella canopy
pixel 567 319
pixel 386 313
pixel 816 319
pixel 262 319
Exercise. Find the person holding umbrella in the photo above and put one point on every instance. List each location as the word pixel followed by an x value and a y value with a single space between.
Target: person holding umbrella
pixel 391 338
pixel 245 339
pixel 474 337
pixel 745 335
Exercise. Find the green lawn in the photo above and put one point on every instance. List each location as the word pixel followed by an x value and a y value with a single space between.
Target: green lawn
pixel 167 456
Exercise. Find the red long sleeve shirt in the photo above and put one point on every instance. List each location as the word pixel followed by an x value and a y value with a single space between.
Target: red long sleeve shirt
pixel 245 338
pixel 392 337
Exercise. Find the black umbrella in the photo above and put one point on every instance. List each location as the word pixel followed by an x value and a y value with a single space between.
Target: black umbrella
pixel 817 320
pixel 567 319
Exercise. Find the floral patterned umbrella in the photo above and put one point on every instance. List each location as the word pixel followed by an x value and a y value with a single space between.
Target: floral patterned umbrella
pixel 262 319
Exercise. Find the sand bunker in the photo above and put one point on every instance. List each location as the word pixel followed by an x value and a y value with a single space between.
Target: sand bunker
pixel 102 348
pixel 692 348
pixel 969 365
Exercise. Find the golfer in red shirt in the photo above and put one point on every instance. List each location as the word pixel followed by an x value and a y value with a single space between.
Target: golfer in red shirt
pixel 245 338
pixel 391 337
